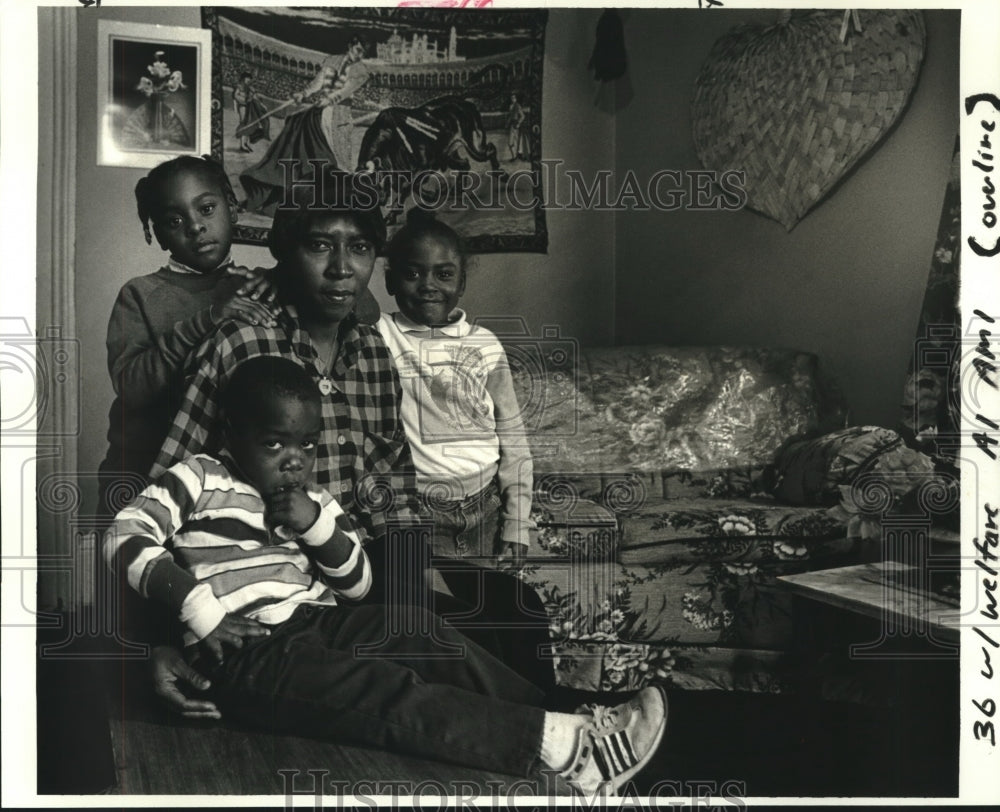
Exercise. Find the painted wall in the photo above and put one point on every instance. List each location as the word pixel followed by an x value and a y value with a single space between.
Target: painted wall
pixel 572 287
pixel 846 283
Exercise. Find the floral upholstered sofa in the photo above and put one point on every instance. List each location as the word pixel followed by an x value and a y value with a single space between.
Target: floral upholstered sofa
pixel 659 539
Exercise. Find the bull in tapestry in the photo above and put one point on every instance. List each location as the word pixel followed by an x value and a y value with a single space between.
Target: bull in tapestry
pixel 435 136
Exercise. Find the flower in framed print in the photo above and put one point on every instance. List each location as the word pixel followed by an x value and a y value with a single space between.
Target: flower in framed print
pixel 424 107
pixel 153 100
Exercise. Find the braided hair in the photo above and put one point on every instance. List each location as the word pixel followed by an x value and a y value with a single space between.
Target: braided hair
pixel 148 191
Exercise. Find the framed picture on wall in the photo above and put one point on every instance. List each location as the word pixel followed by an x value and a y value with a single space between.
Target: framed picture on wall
pixel 153 99
pixel 433 107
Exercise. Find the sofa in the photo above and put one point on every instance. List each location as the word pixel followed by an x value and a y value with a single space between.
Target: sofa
pixel 658 536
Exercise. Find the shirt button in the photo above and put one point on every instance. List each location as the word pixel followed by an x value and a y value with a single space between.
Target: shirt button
pixel 345 486
pixel 341 439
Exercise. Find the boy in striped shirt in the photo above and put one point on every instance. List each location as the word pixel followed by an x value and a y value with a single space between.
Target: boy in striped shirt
pixel 239 541
pixel 253 559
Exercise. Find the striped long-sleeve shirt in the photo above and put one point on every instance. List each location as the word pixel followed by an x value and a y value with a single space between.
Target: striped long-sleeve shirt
pixel 202 518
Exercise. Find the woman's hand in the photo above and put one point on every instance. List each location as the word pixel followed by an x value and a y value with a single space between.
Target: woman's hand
pixel 231 631
pixel 170 670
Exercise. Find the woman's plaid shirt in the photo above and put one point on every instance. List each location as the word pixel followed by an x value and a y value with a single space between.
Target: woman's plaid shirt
pixel 363 458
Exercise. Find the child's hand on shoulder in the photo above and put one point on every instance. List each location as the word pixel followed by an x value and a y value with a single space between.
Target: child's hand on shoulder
pixel 232 631
pixel 258 284
pixel 293 509
pixel 245 308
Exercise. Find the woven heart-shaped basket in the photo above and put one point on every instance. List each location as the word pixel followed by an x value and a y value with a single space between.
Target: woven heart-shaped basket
pixel 795 108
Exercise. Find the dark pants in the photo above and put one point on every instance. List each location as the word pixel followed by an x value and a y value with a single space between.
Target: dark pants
pixel 342 673
pixel 466 536
pixel 498 603
pixel 494 608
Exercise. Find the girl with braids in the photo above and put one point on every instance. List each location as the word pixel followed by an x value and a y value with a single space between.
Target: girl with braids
pixel 188 204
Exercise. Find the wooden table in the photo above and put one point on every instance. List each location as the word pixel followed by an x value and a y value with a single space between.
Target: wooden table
pixel 884 590
pixel 877 638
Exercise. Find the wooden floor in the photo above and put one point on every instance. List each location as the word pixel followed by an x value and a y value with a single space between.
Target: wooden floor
pixel 778 746
pixel 157 753
pixel 758 741
pixel 178 758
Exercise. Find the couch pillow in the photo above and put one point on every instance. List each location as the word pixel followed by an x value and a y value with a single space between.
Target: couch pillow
pixel 809 472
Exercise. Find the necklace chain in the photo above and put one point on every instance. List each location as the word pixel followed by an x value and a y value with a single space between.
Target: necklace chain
pixel 326 364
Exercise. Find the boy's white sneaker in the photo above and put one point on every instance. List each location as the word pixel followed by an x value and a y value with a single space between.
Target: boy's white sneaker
pixel 617 742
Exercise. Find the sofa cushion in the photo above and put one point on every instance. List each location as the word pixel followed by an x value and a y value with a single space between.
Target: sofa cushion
pixel 656 408
pixel 668 530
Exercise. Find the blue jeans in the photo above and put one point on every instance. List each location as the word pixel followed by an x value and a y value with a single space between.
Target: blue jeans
pixel 434 695
pixel 466 528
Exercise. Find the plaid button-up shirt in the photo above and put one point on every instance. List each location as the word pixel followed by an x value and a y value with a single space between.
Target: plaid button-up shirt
pixel 363 458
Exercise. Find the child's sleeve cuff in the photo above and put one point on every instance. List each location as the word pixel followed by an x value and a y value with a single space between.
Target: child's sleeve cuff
pixel 201 611
pixel 515 532
pixel 322 529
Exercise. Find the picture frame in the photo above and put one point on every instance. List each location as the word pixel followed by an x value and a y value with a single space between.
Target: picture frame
pixel 458 95
pixel 153 93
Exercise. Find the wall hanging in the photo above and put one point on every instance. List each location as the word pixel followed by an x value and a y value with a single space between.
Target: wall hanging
pixel 425 93
pixel 797 104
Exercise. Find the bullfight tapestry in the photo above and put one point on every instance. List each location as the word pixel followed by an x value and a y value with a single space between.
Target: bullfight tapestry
pixel 426 107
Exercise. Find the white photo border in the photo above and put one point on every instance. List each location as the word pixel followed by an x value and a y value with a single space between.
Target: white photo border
pixel 108 152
